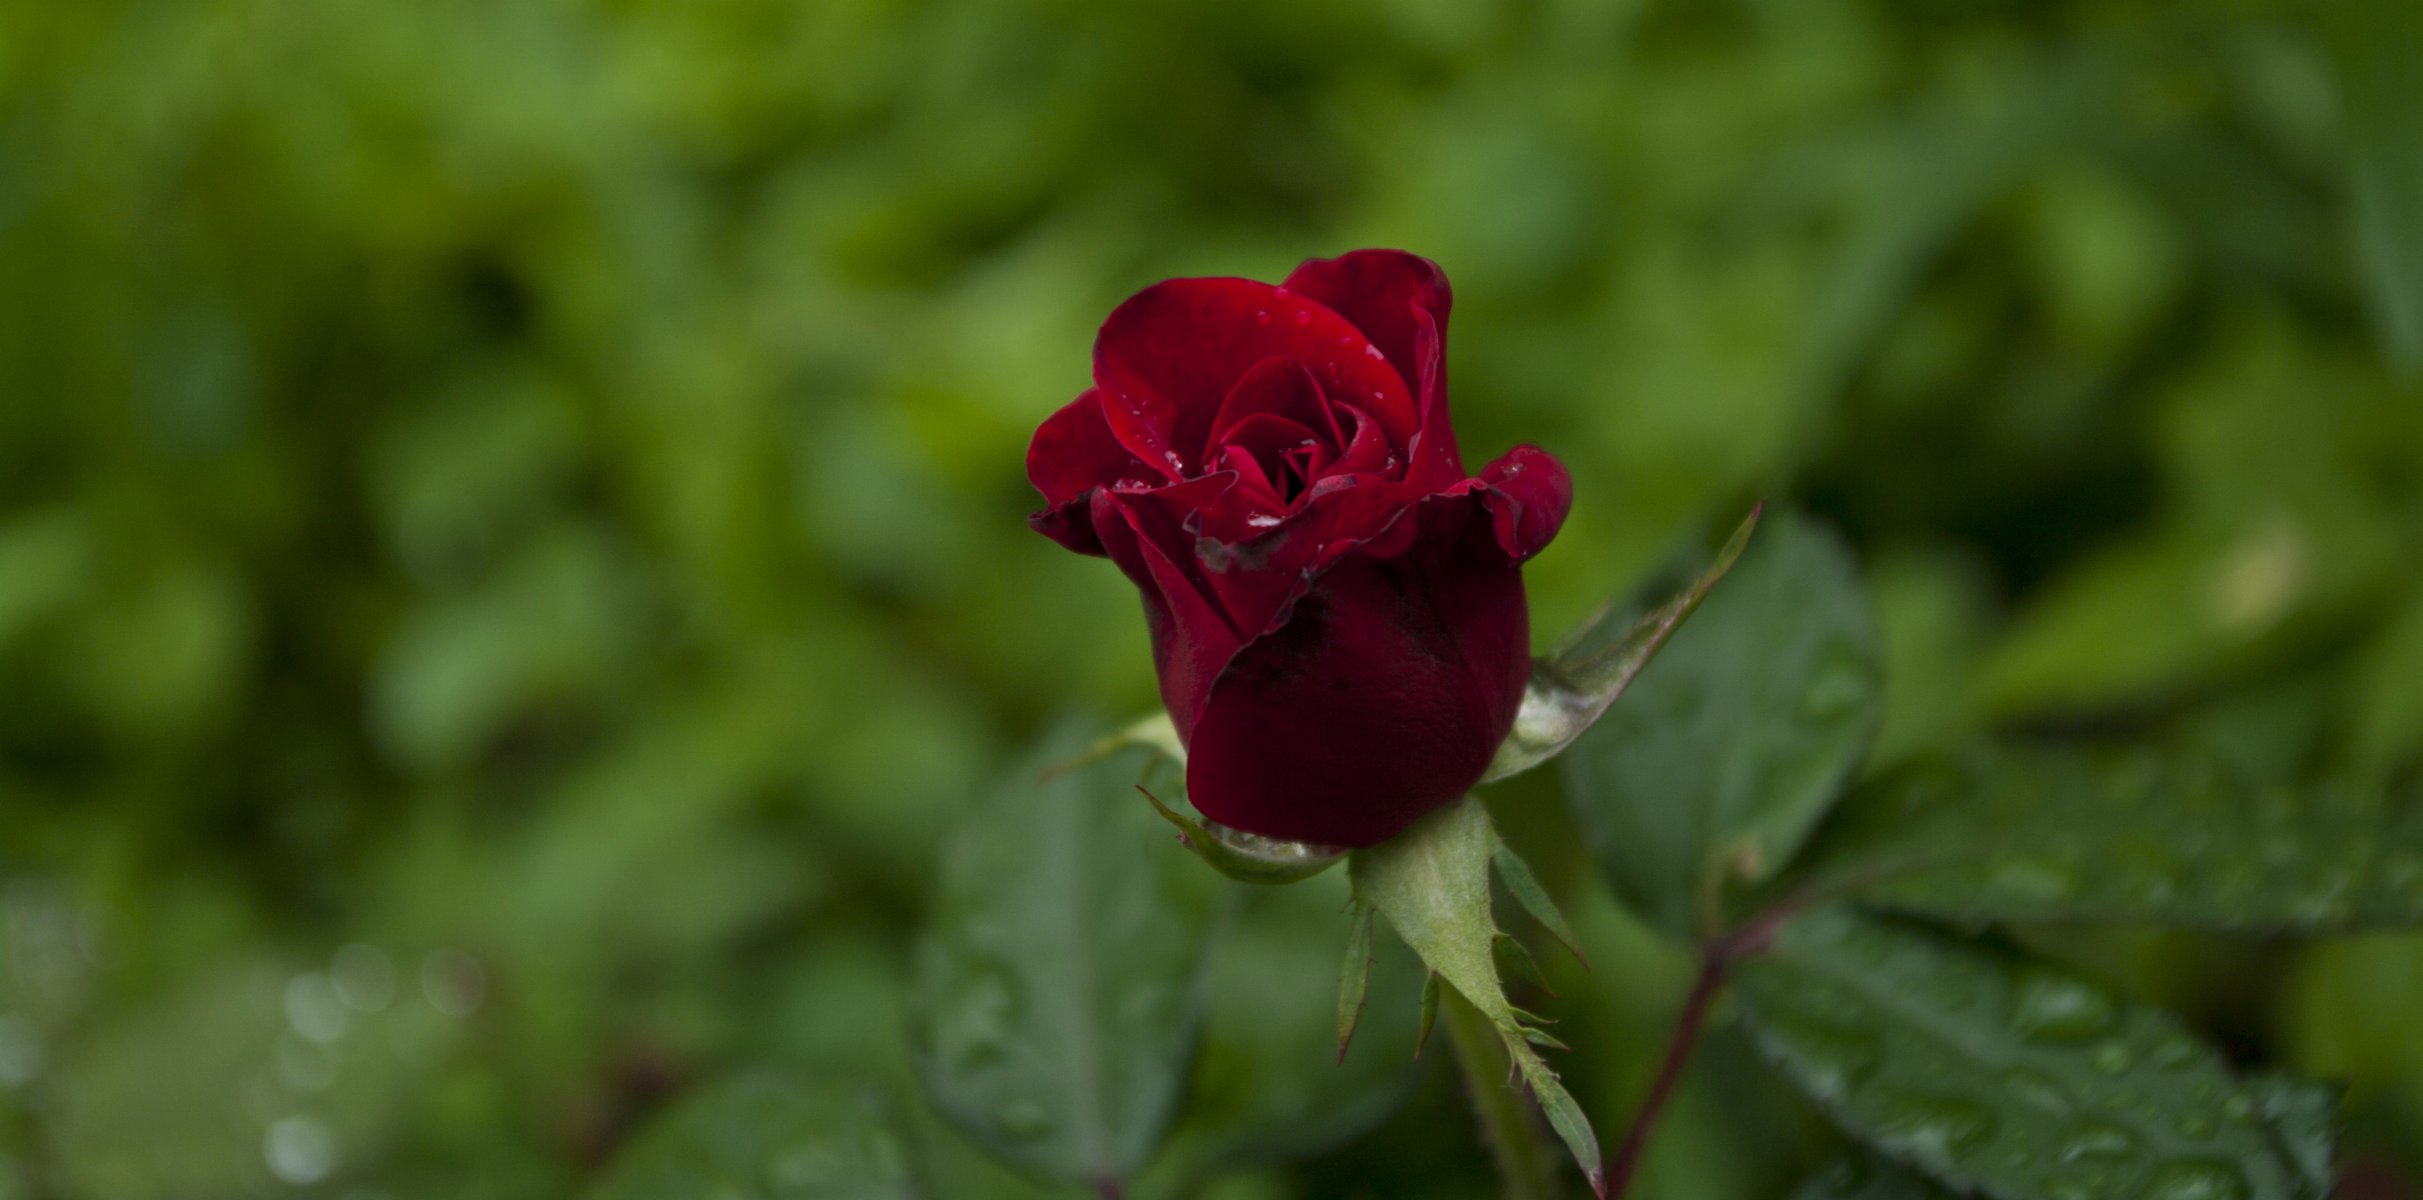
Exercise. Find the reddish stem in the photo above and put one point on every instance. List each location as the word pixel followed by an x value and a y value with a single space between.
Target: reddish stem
pixel 1715 963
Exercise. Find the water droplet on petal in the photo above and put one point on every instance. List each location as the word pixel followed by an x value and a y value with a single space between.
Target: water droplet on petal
pixel 1303 317
pixel 1261 316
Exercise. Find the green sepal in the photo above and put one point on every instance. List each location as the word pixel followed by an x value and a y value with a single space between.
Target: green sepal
pixel 1354 977
pixel 1432 883
pixel 1246 857
pixel 1526 890
pixel 1573 687
pixel 1430 1011
pixel 1515 959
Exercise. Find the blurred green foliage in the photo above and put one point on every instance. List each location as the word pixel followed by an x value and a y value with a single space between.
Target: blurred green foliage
pixel 510 554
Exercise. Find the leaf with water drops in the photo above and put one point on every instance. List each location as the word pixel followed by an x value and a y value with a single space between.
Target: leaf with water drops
pixel 1735 740
pixel 763 1138
pixel 2304 1119
pixel 2139 836
pixel 1572 688
pixel 1270 1084
pixel 2002 1073
pixel 1057 992
pixel 1865 1177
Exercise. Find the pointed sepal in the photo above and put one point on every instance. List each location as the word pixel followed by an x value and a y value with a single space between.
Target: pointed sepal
pixel 1246 857
pixel 1572 688
pixel 1430 1012
pixel 1526 890
pixel 1354 977
pixel 1432 883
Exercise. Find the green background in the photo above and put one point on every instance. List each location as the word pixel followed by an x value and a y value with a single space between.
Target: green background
pixel 511 544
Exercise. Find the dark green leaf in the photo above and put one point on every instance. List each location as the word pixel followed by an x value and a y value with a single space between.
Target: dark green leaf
pixel 760 1138
pixel 2138 836
pixel 2377 44
pixel 1863 1177
pixel 1736 739
pixel 2304 1120
pixel 1571 689
pixel 1057 995
pixel 1271 1084
pixel 2002 1073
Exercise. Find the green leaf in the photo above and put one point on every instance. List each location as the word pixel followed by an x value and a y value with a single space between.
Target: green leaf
pixel 1270 1085
pixel 2138 836
pixel 2377 44
pixel 1866 1177
pixel 1057 991
pixel 760 1138
pixel 1432 883
pixel 1999 1072
pixel 2304 1119
pixel 1737 738
pixel 1572 688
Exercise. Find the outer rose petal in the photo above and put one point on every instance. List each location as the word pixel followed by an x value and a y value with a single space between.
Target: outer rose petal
pixel 1399 301
pixel 1166 359
pixel 1073 453
pixel 1380 698
pixel 1529 494
pixel 1192 638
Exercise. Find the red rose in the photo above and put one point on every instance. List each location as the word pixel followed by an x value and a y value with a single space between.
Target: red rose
pixel 1336 608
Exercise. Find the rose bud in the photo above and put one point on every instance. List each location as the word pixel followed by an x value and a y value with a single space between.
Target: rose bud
pixel 1336 609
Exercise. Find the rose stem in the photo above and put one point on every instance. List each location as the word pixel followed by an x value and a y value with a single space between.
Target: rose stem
pixel 1715 962
pixel 1504 1115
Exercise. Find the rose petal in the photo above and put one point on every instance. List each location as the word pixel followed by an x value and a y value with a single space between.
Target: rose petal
pixel 1278 387
pixel 1074 452
pixel 1529 493
pixel 1167 359
pixel 1192 637
pixel 1400 301
pixel 1381 697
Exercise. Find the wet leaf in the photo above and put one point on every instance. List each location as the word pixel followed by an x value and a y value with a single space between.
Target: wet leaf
pixel 2140 836
pixel 1057 990
pixel 1271 1084
pixel 1862 1177
pixel 2376 44
pixel 1735 740
pixel 2002 1073
pixel 761 1138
